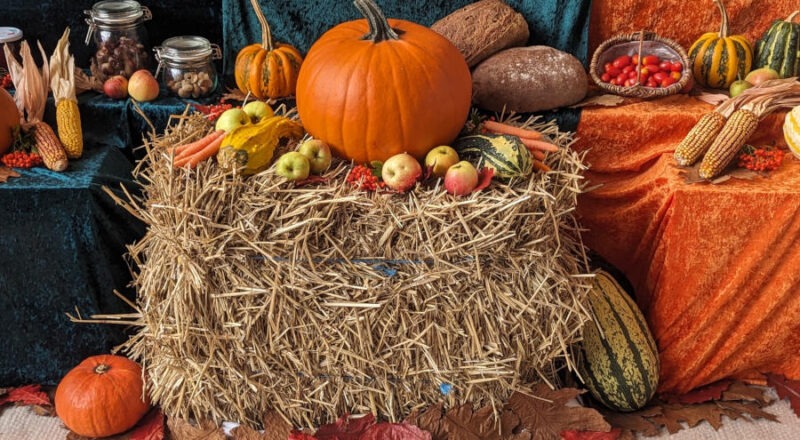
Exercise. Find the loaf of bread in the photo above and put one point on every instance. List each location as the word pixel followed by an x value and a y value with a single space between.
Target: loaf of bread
pixel 483 28
pixel 529 79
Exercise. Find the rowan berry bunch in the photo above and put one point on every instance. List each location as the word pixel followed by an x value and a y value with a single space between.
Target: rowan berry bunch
pixel 760 159
pixel 21 159
pixel 212 111
pixel 362 177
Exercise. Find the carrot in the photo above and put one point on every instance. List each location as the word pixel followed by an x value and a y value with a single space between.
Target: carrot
pixel 540 166
pixel 208 151
pixel 198 144
pixel 501 128
pixel 538 155
pixel 539 145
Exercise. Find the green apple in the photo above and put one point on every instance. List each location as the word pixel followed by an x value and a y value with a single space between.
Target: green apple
pixel 440 159
pixel 293 166
pixel 258 110
pixel 318 153
pixel 231 118
pixel 739 86
pixel 758 76
pixel 401 171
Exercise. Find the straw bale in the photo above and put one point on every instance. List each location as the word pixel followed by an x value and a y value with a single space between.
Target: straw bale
pixel 256 294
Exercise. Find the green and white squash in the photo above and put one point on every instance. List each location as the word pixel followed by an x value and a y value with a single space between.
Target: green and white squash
pixel 779 47
pixel 505 154
pixel 620 365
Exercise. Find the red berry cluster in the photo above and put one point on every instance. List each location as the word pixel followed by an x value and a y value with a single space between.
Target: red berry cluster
pixel 21 159
pixel 361 177
pixel 6 82
pixel 627 71
pixel 761 159
pixel 212 111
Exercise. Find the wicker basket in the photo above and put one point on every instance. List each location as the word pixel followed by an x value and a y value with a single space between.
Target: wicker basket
pixel 646 43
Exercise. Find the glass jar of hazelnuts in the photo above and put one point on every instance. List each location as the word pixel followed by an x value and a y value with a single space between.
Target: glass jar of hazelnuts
pixel 187 65
pixel 117 29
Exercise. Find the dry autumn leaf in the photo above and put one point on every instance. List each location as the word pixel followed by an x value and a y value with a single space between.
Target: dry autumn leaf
pixel 275 428
pixel 26 395
pixel 614 434
pixel 6 173
pixel 395 431
pixel 703 394
pixel 547 415
pixel 346 428
pixel 205 430
pixel 787 389
pixel 151 427
pixel 739 391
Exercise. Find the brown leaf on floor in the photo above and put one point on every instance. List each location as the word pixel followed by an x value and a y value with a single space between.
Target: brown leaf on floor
pixel 740 391
pixel 6 173
pixel 637 421
pixel 614 434
pixel 752 410
pixel 430 420
pixel 547 415
pixel 151 427
pixel 275 428
pixel 464 422
pixel 703 394
pixel 205 430
pixel 787 389
pixel 607 100
pixel 395 431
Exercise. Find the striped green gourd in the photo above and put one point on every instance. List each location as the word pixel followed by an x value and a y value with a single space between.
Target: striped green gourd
pixel 779 47
pixel 620 365
pixel 505 154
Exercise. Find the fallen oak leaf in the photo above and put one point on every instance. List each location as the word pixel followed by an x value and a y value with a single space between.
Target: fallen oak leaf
pixel 547 415
pixel 787 389
pixel 275 428
pixel 637 421
pixel 151 427
pixel 395 431
pixel 614 434
pixel 7 173
pixel 464 422
pixel 346 428
pixel 752 410
pixel 740 391
pixel 204 430
pixel 26 395
pixel 703 394
pixel 484 179
pixel 311 180
pixel 297 435
pixel 430 420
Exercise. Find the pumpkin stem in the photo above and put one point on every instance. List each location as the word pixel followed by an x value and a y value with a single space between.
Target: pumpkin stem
pixel 791 17
pixel 102 368
pixel 723 31
pixel 379 29
pixel 266 34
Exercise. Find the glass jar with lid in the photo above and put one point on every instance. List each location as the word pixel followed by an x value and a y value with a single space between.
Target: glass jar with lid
pixel 120 39
pixel 13 37
pixel 187 65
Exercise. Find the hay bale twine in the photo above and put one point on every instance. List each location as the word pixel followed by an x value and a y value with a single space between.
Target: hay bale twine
pixel 314 301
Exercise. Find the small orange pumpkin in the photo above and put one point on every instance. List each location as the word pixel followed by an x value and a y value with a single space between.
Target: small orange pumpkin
pixel 102 396
pixel 374 88
pixel 9 119
pixel 267 70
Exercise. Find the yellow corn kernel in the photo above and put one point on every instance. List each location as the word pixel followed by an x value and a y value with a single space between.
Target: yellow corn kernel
pixel 68 118
pixel 699 138
pixel 740 126
pixel 49 147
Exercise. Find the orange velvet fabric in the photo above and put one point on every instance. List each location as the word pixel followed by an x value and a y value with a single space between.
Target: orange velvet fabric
pixel 683 21
pixel 716 268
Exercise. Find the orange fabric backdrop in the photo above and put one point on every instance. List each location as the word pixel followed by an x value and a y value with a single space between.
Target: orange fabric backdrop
pixel 716 268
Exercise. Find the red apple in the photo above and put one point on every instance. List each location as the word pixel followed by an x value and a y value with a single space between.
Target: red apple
pixel 116 87
pixel 401 171
pixel 758 76
pixel 440 159
pixel 461 179
pixel 142 86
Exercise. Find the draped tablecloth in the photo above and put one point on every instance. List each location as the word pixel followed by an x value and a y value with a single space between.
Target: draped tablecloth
pixel 716 268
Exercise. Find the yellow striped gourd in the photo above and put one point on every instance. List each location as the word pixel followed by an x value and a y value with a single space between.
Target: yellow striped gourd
pixel 620 364
pixel 718 59
pixel 505 154
pixel 791 131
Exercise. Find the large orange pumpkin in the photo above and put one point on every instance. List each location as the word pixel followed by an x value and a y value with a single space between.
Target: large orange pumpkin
pixel 267 70
pixel 374 88
pixel 102 396
pixel 9 118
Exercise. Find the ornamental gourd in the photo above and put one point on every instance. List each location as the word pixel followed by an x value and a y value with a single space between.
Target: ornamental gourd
pixel 374 88
pixel 791 131
pixel 267 70
pixel 9 119
pixel 102 396
pixel 779 47
pixel 620 364
pixel 718 59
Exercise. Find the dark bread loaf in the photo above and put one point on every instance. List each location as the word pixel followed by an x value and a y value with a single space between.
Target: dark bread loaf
pixel 529 79
pixel 483 28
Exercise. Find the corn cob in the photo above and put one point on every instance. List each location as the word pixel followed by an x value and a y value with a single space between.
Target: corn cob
pixel 68 118
pixel 699 138
pixel 740 126
pixel 49 147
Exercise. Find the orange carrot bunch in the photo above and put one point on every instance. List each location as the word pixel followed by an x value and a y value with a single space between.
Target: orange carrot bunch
pixel 195 152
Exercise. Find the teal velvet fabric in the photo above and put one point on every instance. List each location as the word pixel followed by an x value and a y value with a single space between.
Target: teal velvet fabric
pixel 563 24
pixel 61 248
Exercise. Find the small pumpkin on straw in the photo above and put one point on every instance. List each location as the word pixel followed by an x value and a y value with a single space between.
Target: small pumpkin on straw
pixel 32 85
pixel 62 83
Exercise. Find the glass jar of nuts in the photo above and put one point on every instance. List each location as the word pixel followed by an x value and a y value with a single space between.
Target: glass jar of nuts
pixel 187 65
pixel 117 28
